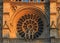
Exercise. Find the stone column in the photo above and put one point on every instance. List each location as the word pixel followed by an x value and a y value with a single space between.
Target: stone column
pixel 1 17
pixel 47 13
pixel 58 21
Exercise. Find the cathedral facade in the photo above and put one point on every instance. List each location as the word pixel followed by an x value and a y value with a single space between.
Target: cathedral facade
pixel 27 20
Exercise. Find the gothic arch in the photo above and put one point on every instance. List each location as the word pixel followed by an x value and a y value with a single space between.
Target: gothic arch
pixel 25 8
pixel 28 10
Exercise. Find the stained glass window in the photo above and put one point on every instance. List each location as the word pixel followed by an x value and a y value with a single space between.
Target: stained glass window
pixel 25 0
pixel 39 1
pixel 32 28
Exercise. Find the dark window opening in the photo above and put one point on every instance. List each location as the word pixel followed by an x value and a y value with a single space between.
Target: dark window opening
pixel 19 0
pixel 16 0
pixel 31 0
pixel 42 0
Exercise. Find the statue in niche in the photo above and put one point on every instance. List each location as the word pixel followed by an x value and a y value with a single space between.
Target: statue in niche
pixel 58 19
